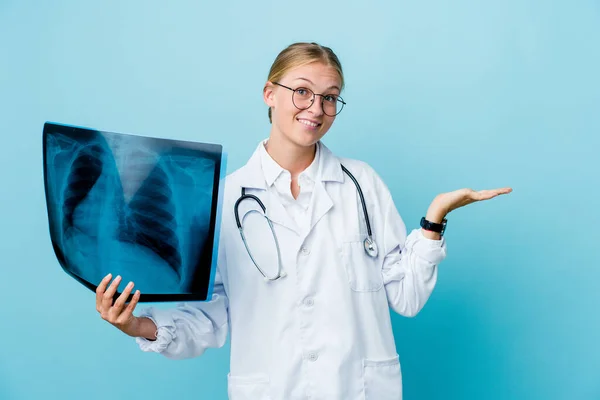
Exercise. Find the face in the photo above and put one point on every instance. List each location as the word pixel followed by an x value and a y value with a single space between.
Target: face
pixel 302 127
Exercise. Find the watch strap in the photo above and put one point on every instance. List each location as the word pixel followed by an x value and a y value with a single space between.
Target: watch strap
pixel 434 226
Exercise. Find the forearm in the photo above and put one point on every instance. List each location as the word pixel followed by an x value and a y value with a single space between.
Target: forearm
pixel 186 331
pixel 409 285
pixel 145 329
pixel 410 275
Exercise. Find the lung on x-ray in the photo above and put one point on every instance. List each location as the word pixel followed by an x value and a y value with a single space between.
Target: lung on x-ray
pixel 145 208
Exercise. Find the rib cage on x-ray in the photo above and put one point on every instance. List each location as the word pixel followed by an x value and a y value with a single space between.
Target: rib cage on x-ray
pixel 114 195
pixel 147 220
pixel 140 207
pixel 83 175
pixel 150 218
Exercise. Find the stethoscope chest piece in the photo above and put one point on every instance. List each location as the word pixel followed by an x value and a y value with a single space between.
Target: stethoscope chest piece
pixel 371 247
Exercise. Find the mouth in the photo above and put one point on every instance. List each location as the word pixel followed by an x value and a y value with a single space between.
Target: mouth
pixel 311 124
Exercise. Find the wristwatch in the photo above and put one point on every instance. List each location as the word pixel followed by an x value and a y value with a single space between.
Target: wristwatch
pixel 433 226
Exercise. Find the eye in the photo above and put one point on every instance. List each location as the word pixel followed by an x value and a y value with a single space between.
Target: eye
pixel 332 98
pixel 302 91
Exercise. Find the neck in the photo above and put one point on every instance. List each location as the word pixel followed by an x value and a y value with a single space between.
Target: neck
pixel 290 156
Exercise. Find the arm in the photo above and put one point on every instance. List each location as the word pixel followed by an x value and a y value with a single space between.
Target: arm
pixel 187 330
pixel 410 264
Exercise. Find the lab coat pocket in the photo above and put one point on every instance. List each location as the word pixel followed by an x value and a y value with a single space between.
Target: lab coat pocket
pixel 248 387
pixel 382 379
pixel 364 272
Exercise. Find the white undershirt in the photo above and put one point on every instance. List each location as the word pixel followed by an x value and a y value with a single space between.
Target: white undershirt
pixel 279 180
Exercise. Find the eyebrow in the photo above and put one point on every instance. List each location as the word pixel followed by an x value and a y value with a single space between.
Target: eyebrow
pixel 309 81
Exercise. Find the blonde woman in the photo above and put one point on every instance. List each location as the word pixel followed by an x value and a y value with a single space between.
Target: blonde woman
pixel 304 296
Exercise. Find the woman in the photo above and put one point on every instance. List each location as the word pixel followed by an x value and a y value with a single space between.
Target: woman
pixel 314 321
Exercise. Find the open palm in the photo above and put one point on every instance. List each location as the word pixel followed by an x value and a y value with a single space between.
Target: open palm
pixel 459 198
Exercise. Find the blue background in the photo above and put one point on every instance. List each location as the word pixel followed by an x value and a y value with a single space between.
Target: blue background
pixel 441 95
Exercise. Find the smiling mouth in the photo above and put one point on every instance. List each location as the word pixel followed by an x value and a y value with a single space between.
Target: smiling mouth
pixel 308 123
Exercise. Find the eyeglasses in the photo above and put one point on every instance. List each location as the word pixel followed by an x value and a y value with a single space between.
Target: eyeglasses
pixel 303 98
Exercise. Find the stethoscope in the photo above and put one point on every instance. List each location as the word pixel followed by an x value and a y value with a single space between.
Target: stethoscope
pixel 369 243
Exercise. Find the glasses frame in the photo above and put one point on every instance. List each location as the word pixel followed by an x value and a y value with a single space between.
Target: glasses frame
pixel 312 101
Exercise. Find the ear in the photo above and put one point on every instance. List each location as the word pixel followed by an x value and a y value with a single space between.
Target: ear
pixel 268 94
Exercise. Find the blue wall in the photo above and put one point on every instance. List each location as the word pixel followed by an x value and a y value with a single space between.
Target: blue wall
pixel 441 95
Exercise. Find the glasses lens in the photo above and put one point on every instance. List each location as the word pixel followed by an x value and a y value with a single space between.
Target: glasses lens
pixel 332 105
pixel 303 98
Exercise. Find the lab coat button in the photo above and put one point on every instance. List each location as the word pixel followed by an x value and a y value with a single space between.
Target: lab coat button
pixel 313 357
pixel 309 302
pixel 305 251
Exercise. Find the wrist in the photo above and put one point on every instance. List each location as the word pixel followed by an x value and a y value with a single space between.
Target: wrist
pixel 432 230
pixel 148 328
pixel 431 235
pixel 435 214
pixel 142 327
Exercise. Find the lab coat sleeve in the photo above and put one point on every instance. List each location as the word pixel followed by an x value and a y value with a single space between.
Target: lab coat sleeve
pixel 189 329
pixel 410 267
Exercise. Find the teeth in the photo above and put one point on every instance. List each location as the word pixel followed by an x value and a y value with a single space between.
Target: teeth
pixel 308 123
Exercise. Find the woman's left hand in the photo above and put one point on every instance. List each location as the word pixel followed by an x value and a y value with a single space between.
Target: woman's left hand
pixel 459 198
pixel 446 202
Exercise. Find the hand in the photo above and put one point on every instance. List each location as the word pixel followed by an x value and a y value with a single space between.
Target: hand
pixel 446 202
pixel 118 314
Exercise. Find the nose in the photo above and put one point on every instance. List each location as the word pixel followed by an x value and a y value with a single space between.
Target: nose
pixel 316 108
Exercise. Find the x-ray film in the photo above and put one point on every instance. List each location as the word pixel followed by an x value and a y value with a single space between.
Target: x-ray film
pixel 145 208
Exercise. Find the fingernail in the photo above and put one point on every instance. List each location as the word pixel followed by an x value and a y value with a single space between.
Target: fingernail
pixel 118 277
pixel 109 274
pixel 130 284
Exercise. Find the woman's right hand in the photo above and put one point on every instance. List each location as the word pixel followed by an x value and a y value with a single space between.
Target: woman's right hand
pixel 118 314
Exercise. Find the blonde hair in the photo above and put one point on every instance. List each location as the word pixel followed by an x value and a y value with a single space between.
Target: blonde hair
pixel 303 53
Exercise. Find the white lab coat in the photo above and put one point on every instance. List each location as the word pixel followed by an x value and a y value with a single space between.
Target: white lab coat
pixel 324 330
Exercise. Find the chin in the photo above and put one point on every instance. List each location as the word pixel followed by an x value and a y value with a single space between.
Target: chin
pixel 306 139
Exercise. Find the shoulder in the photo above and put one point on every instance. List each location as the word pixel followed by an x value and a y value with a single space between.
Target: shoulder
pixel 234 177
pixel 233 184
pixel 365 174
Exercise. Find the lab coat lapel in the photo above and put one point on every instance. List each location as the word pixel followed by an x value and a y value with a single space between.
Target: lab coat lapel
pixel 330 170
pixel 322 203
pixel 277 213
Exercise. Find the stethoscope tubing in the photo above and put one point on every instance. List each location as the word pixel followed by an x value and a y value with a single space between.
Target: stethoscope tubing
pixel 369 243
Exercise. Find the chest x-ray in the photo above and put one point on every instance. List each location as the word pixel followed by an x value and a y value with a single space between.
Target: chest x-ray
pixel 147 209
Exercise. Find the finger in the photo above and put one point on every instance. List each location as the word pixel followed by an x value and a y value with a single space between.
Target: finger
pixel 131 306
pixel 488 194
pixel 107 298
pixel 484 195
pixel 499 190
pixel 120 302
pixel 100 291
